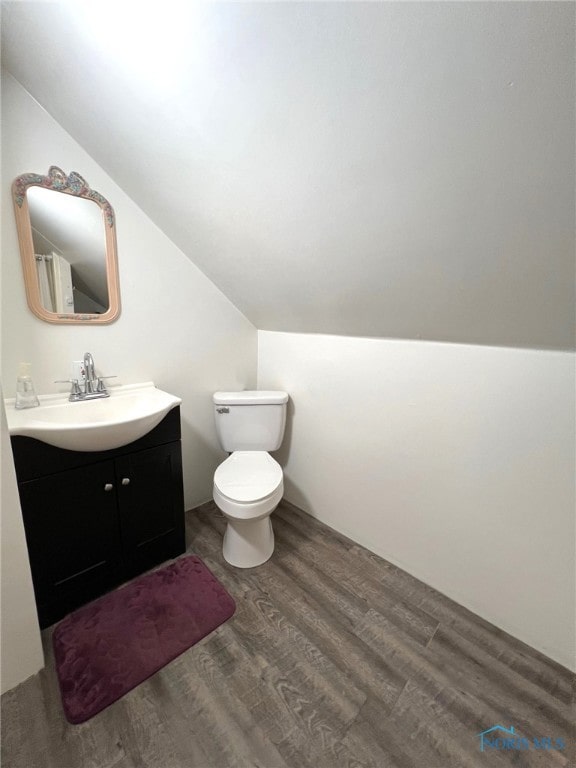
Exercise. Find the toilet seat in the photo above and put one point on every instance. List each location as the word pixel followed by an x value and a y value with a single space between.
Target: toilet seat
pixel 248 485
pixel 248 476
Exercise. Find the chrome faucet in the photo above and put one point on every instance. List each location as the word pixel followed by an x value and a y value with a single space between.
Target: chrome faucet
pixel 93 385
pixel 92 382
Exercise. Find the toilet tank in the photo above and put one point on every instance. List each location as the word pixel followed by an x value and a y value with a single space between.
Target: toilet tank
pixel 250 421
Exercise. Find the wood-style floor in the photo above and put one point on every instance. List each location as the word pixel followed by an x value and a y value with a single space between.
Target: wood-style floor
pixel 333 658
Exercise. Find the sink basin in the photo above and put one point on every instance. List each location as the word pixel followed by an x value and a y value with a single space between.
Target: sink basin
pixel 93 425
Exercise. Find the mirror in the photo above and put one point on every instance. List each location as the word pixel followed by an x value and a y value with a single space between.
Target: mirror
pixel 67 240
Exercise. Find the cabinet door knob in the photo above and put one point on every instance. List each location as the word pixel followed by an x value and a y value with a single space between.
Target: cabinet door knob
pixel 108 487
pixel 125 481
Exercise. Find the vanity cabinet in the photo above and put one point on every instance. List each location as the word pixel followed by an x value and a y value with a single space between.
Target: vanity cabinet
pixel 94 520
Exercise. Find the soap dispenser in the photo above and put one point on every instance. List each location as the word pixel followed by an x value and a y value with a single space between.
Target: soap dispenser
pixel 25 394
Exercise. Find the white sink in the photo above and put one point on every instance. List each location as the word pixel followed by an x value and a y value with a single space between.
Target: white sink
pixel 93 425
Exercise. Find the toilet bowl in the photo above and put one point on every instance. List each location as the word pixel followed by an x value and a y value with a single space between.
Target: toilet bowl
pixel 248 486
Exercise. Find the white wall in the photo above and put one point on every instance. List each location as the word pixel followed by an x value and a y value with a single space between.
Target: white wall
pixel 454 462
pixel 176 328
pixel 20 647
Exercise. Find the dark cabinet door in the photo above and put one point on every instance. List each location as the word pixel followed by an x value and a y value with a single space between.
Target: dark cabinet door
pixel 151 505
pixel 72 530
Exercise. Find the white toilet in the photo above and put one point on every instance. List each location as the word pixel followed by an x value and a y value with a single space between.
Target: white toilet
pixel 249 484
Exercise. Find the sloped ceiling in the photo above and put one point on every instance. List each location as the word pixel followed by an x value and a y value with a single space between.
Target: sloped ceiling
pixel 382 169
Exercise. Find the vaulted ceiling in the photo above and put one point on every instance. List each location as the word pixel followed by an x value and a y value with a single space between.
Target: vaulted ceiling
pixel 399 170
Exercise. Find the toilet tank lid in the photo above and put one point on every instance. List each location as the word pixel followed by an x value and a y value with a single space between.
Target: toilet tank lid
pixel 250 397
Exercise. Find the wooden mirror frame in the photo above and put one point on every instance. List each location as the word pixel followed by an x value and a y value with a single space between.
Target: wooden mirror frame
pixel 75 185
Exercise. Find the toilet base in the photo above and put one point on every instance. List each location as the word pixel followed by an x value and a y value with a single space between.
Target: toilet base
pixel 248 543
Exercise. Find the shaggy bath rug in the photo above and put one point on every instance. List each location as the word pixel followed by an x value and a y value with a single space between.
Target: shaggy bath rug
pixel 108 647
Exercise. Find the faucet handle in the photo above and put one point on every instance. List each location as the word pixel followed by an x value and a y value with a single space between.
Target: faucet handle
pixel 74 382
pixel 101 387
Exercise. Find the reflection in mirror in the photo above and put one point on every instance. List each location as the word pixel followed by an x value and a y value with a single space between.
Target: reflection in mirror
pixel 68 248
pixel 70 251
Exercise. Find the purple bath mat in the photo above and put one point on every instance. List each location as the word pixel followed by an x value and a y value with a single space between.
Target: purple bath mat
pixel 113 644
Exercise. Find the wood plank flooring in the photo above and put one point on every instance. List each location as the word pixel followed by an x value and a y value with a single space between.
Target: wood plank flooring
pixel 334 659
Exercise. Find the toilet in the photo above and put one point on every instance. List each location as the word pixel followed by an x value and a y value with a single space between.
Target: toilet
pixel 249 484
